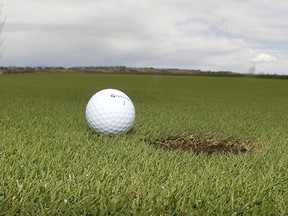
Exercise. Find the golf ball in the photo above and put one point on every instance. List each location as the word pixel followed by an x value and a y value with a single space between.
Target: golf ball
pixel 110 111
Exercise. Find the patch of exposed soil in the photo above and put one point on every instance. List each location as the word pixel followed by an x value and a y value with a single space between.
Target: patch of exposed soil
pixel 206 144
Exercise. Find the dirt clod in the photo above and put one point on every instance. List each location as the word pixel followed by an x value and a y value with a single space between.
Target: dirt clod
pixel 206 144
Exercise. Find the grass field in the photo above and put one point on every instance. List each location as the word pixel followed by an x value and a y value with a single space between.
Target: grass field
pixel 51 163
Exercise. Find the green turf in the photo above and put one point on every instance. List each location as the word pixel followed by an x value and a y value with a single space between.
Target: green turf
pixel 51 163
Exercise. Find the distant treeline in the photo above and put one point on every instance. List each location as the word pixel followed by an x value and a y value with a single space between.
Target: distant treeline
pixel 107 69
pixel 128 70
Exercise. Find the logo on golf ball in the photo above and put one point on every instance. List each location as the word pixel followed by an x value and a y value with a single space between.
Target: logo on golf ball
pixel 110 111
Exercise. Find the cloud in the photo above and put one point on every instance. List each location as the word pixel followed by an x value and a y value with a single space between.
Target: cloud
pixel 264 58
pixel 207 34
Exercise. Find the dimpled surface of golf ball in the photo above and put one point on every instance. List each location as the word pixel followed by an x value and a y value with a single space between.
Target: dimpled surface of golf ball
pixel 111 112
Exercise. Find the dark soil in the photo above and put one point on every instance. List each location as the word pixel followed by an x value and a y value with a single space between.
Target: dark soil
pixel 206 144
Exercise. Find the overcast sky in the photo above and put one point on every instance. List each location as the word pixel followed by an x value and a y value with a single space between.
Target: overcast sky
pixel 212 35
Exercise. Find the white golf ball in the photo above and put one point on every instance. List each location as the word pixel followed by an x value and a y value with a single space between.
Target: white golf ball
pixel 110 111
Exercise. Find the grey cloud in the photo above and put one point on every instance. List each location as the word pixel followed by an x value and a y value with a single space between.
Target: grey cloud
pixel 187 34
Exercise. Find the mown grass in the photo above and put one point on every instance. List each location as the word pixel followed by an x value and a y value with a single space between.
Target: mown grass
pixel 51 163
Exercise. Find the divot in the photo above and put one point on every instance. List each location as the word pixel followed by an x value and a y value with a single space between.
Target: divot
pixel 203 144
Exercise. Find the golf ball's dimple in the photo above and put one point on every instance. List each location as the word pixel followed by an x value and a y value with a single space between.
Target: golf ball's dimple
pixel 110 111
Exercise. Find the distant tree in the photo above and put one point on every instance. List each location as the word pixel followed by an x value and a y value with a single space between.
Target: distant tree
pixel 252 69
